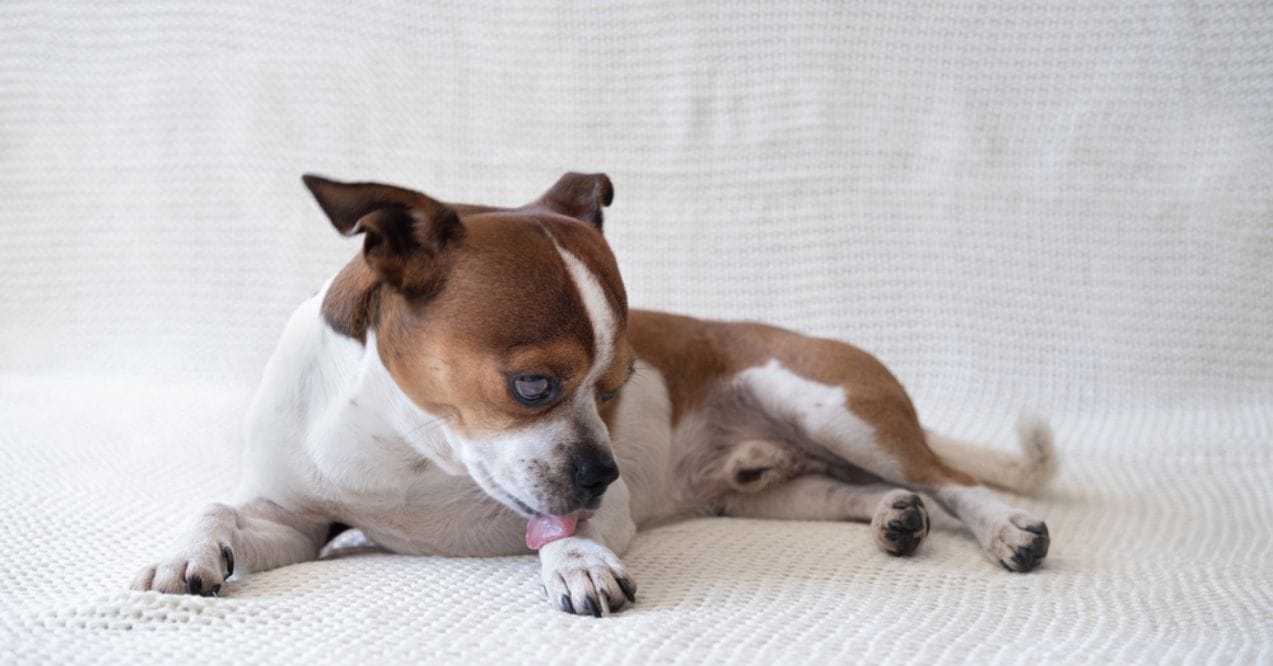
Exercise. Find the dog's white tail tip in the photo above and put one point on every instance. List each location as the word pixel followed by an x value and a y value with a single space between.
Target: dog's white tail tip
pixel 1026 473
pixel 1039 463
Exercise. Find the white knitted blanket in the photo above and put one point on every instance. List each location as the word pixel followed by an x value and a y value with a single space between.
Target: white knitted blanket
pixel 1064 207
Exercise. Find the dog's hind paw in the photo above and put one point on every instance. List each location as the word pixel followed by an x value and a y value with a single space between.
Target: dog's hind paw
pixel 900 523
pixel 1020 544
pixel 583 577
pixel 201 572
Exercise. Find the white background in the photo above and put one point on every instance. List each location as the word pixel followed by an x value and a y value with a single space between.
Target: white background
pixel 1062 207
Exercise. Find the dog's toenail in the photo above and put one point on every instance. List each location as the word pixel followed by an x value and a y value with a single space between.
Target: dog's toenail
pixel 626 586
pixel 1040 529
pixel 228 556
pixel 592 606
pixel 566 605
pixel 194 584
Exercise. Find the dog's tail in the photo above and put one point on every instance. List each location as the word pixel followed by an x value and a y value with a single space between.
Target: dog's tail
pixel 1026 473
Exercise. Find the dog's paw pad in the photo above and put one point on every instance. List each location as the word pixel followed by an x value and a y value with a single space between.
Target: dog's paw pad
pixel 900 523
pixel 201 573
pixel 584 578
pixel 1021 543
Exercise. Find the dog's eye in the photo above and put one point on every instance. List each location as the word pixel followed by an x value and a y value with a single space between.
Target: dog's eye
pixel 533 389
pixel 607 396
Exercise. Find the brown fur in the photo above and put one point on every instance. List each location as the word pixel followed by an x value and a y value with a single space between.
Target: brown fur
pixel 697 357
pixel 508 306
pixel 581 196
pixel 352 303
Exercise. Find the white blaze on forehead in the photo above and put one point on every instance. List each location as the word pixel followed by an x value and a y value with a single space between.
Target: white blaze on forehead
pixel 599 313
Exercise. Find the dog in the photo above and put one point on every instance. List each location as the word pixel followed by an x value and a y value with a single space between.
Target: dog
pixel 473 383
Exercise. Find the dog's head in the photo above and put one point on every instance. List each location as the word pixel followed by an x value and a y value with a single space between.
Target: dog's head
pixel 507 322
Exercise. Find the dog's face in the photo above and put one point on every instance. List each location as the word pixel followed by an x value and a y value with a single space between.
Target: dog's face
pixel 508 323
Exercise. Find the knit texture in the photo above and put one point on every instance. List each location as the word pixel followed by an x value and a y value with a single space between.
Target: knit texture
pixel 1061 207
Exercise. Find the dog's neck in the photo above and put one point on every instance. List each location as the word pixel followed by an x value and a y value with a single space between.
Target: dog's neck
pixel 427 434
pixel 372 409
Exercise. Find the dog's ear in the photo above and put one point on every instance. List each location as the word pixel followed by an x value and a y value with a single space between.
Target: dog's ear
pixel 581 196
pixel 405 230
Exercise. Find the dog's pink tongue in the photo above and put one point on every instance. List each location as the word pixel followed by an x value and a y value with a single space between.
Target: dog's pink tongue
pixel 542 530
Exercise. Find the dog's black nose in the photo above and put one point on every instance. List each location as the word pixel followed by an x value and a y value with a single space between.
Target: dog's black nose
pixel 594 471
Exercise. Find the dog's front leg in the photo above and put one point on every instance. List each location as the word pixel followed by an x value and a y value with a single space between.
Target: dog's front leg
pixel 257 536
pixel 582 574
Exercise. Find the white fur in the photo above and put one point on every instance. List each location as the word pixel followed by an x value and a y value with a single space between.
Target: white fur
pixel 999 527
pixel 601 315
pixel 501 465
pixel 1026 473
pixel 320 391
pixel 821 413
pixel 642 440
pixel 330 432
pixel 599 312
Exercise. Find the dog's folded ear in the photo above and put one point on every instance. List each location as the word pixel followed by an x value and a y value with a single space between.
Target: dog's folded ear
pixel 581 196
pixel 405 230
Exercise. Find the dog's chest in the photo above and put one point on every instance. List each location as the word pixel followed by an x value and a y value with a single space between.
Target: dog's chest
pixel 405 502
pixel 436 515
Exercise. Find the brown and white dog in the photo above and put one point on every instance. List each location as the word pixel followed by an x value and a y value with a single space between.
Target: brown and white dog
pixel 473 383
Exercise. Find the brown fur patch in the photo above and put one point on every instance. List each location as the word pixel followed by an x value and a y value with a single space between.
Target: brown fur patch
pixel 352 301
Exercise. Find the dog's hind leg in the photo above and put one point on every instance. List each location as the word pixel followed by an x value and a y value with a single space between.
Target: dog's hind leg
pixel 257 536
pixel 870 423
pixel 1008 535
pixel 898 518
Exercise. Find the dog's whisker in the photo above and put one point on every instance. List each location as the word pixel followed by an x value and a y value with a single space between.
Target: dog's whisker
pixel 430 424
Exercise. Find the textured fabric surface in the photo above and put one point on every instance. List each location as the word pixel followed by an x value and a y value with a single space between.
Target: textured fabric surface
pixel 1062 207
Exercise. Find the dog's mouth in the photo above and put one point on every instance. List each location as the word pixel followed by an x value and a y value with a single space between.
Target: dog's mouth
pixel 541 528
pixel 520 506
pixel 545 528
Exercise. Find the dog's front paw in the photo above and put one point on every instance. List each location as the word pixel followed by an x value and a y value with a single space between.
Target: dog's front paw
pixel 900 523
pixel 584 577
pixel 1020 543
pixel 201 572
